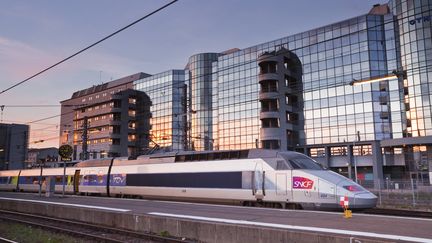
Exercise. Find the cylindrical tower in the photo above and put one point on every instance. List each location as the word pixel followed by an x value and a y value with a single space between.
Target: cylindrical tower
pixel 200 102
pixel 280 89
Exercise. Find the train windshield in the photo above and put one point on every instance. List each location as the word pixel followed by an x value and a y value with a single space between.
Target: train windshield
pixel 302 162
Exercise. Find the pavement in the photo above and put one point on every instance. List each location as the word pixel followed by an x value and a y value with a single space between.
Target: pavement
pixel 362 225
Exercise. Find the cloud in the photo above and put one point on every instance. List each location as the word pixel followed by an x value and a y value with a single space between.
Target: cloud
pixel 19 59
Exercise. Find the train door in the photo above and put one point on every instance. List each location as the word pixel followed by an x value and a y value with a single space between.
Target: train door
pixel 326 191
pixel 76 181
pixel 290 185
pixel 281 184
pixel 258 189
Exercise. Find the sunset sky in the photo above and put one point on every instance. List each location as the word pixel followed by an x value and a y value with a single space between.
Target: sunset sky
pixel 36 34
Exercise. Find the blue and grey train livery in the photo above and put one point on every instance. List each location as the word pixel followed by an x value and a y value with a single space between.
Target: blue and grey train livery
pixel 250 177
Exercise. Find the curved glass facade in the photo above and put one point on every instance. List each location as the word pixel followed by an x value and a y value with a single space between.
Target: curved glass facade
pixel 413 36
pixel 167 92
pixel 385 127
pixel 201 102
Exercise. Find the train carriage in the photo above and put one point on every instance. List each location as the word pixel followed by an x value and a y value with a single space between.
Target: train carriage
pixel 257 176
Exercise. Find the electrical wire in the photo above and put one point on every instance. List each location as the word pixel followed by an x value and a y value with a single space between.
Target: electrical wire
pixel 253 61
pixel 88 47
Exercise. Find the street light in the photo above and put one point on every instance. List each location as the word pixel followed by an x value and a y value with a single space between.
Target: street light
pixel 355 160
pixel 393 75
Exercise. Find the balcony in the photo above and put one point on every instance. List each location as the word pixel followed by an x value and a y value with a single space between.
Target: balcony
pixel 267 58
pixel 262 77
pixel 270 133
pixel 383 99
pixel 269 114
pixel 383 86
pixel 268 95
pixel 384 115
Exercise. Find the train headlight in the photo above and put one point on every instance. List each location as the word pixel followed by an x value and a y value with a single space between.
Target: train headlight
pixel 353 188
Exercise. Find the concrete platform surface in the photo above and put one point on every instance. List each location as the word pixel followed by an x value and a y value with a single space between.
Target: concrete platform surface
pixel 382 228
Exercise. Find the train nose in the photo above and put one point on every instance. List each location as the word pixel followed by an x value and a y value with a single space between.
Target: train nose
pixel 364 200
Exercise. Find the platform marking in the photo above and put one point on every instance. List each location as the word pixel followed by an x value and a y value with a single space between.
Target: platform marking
pixel 240 207
pixel 288 210
pixel 295 227
pixel 67 204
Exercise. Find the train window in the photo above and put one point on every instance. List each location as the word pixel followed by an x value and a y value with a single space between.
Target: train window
pixel 225 155
pixel 244 154
pixel 217 156
pixel 281 165
pixel 202 156
pixel 234 155
pixel 302 162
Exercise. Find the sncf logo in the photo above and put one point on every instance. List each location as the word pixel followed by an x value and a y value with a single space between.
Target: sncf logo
pixel 302 183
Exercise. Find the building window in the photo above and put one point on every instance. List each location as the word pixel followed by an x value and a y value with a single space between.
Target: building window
pixel 268 67
pixel 291 117
pixel 271 144
pixel 360 150
pixel 338 151
pixel 270 122
pixel 317 152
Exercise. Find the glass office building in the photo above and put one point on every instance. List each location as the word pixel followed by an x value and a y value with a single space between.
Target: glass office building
pixel 167 92
pixel 243 98
pixel 200 104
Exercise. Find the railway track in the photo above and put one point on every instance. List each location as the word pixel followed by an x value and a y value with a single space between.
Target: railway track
pixel 398 212
pixel 92 233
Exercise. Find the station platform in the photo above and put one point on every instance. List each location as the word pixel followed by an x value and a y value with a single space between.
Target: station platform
pixel 223 223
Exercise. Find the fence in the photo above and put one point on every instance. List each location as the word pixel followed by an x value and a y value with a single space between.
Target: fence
pixel 405 194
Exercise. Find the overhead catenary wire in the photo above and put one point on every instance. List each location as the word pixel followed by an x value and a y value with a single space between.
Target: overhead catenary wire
pixel 29 106
pixel 296 89
pixel 88 47
pixel 229 67
pixel 299 89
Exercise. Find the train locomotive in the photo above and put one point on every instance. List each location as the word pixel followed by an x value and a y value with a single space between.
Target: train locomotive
pixel 250 177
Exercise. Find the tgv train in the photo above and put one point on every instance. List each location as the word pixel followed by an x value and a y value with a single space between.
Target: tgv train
pixel 250 177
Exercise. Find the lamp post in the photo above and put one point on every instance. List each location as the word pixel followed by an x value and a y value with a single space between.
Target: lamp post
pixel 41 163
pixel 354 157
pixel 65 151
pixel 2 158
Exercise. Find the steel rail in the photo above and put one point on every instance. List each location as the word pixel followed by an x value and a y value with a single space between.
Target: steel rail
pixel 96 229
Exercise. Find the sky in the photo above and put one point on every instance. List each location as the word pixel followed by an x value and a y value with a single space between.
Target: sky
pixel 37 34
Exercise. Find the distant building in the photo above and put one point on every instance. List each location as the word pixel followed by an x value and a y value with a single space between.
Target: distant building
pixel 296 93
pixel 13 146
pixel 48 156
pixel 111 117
pixel 167 91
